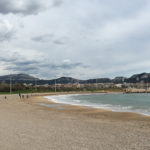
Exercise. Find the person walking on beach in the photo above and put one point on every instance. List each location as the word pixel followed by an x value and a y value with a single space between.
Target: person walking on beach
pixel 27 96
pixel 20 95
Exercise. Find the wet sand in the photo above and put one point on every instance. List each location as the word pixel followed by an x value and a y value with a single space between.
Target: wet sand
pixel 27 125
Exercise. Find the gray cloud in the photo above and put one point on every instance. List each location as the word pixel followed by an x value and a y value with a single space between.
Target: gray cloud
pixel 57 2
pixel 6 36
pixel 48 38
pixel 6 30
pixel 43 38
pixel 25 7
pixel 58 42
pixel 25 63
pixel 27 69
pixel 65 66
pixel 18 64
pixel 33 67
pixel 20 67
pixel 95 38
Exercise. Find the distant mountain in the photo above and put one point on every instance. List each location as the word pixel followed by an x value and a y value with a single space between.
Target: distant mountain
pixel 99 80
pixel 143 77
pixel 64 80
pixel 18 77
pixel 119 80
pixel 25 78
pixel 137 78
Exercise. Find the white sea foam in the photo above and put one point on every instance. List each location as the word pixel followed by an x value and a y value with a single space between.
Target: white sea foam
pixel 73 99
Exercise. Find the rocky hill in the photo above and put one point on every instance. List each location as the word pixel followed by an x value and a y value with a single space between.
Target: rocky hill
pixel 25 78
pixel 143 77
pixel 18 77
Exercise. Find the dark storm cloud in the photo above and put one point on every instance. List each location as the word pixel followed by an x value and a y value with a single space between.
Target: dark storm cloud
pixel 25 7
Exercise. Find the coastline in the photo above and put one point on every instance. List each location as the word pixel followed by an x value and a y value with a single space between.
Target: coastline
pixel 49 98
pixel 90 111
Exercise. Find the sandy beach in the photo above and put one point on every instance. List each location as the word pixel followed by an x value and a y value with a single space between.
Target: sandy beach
pixel 27 125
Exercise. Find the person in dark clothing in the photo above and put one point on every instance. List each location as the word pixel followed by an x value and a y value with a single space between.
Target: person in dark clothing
pixel 20 95
pixel 27 96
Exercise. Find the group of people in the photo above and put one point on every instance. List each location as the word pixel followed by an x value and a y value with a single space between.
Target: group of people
pixel 23 96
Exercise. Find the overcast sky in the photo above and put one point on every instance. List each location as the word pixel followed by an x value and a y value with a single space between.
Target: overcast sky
pixel 78 38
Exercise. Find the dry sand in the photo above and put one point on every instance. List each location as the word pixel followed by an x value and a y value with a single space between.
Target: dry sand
pixel 25 125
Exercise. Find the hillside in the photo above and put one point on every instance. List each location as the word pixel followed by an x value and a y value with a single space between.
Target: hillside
pixel 18 77
pixel 25 78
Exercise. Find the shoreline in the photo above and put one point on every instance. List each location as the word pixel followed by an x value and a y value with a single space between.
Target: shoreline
pixel 100 112
pixel 82 106
pixel 102 108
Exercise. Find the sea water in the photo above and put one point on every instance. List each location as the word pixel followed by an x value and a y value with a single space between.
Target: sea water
pixel 138 103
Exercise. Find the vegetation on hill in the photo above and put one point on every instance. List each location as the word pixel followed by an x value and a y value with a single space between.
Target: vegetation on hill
pixel 24 78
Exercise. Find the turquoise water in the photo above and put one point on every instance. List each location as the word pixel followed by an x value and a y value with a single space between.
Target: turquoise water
pixel 139 103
